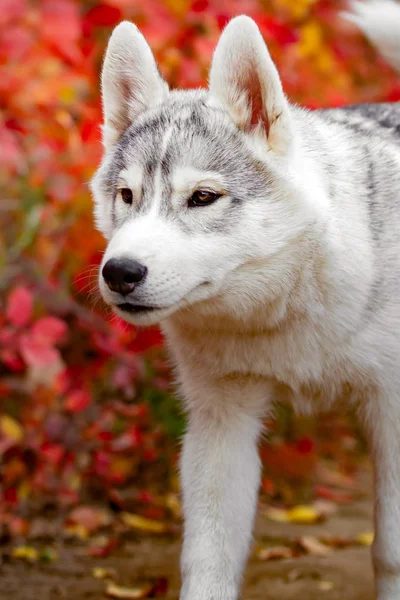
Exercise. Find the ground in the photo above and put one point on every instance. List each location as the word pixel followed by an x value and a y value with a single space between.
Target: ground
pixel 344 574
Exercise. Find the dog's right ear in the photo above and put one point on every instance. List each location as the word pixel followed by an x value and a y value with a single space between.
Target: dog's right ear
pixel 131 82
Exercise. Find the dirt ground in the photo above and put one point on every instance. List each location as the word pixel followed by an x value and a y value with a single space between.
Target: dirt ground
pixel 344 574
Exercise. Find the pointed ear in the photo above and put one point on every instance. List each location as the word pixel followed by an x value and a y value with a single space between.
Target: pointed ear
pixel 130 81
pixel 246 82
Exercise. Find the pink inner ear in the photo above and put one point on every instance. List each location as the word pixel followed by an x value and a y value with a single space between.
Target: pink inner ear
pixel 254 93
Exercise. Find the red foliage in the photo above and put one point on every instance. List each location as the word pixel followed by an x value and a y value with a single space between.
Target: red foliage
pixel 63 367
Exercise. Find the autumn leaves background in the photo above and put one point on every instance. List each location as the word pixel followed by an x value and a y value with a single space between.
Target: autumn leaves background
pixel 86 408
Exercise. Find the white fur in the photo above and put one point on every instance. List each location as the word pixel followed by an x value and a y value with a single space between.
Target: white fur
pixel 271 309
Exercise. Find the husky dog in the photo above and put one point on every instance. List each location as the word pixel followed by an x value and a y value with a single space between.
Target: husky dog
pixel 266 241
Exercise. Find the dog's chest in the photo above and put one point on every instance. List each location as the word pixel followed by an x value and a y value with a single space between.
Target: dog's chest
pixel 294 358
pixel 298 369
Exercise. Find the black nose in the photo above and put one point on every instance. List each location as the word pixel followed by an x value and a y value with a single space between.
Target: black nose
pixel 121 274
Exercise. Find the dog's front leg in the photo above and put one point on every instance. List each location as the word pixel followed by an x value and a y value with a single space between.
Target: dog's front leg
pixel 383 426
pixel 220 478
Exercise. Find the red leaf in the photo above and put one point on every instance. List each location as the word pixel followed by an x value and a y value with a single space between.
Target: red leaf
pixel 305 445
pixel 160 586
pixel 103 15
pixel 53 453
pixel 77 401
pixel 199 5
pixel 335 495
pixel 19 306
pixel 105 550
pixel 11 360
pixel 49 330
pixel 61 16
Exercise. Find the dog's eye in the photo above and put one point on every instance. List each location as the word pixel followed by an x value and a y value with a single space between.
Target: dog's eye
pixel 126 195
pixel 203 198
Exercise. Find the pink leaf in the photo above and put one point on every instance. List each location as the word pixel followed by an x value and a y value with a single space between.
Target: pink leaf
pixel 37 354
pixel 19 306
pixel 49 330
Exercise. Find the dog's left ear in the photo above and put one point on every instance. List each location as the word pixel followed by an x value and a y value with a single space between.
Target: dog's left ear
pixel 130 81
pixel 246 82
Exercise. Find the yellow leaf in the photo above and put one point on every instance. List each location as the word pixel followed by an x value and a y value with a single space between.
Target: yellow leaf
pixel 311 39
pixel 68 95
pixel 298 8
pixel 279 515
pixel 303 514
pixel 25 552
pixel 365 539
pixel 78 531
pixel 172 502
pixel 100 573
pixel 326 586
pixel 11 428
pixel 24 490
pixel 138 522
pixel 324 60
pixel 179 7
pixel 115 591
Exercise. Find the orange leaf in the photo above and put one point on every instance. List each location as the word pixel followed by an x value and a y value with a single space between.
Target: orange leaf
pixel 116 591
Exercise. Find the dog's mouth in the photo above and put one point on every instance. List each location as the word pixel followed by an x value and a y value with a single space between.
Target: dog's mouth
pixel 135 308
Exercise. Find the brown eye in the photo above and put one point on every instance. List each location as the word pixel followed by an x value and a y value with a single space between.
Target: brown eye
pixel 127 195
pixel 203 198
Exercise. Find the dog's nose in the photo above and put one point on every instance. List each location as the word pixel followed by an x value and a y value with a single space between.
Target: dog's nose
pixel 121 274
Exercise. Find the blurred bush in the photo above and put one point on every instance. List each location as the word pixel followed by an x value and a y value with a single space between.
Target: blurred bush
pixel 85 399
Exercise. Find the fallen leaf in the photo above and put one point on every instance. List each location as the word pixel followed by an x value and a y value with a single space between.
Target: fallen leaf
pixel 48 555
pixel 303 514
pixel 326 586
pixel 160 587
pixel 102 547
pixel 338 496
pixel 365 538
pixel 275 553
pixel 26 553
pixel 18 526
pixel 313 546
pixel 77 531
pixel 89 517
pixel 115 591
pixel 325 508
pixel 297 514
pixel 172 502
pixel 279 515
pixel 100 573
pixel 138 522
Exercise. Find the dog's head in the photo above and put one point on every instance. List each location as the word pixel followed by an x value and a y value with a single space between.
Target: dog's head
pixel 195 189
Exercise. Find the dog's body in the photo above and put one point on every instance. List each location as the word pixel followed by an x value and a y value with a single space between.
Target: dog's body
pixel 265 238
